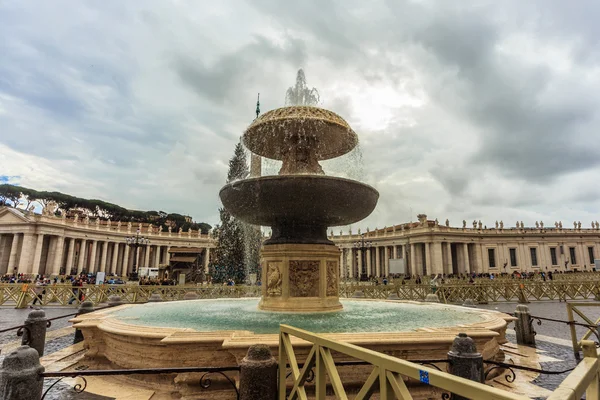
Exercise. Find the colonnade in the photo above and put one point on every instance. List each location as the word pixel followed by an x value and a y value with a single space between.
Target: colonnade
pixel 50 255
pixel 453 257
pixel 419 259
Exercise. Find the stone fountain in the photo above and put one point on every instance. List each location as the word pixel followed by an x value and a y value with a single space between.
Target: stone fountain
pixel 300 266
pixel 300 276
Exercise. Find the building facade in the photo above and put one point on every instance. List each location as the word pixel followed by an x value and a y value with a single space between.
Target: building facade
pixel 430 248
pixel 48 245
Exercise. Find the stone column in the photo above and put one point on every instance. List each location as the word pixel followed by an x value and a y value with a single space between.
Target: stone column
pixel 466 258
pixel 125 266
pixel 147 256
pixel 103 263
pixel 388 254
pixel 378 261
pixel 26 253
pixel 359 262
pixel 70 254
pixel 437 265
pixel 413 266
pixel 168 255
pixel 14 251
pixel 20 375
pixel 369 270
pixel 427 260
pixel 448 266
pixel 156 256
pixel 465 361
pixel 115 258
pixel 35 266
pixel 34 334
pixel 93 267
pixel 206 260
pixel 81 256
pixel 478 262
pixel 523 326
pixel 58 255
pixel 395 252
pixel 258 374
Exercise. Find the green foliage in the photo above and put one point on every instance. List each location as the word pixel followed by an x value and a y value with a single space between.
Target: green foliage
pixel 12 195
pixel 238 166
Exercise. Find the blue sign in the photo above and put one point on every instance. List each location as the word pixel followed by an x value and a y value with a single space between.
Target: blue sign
pixel 424 376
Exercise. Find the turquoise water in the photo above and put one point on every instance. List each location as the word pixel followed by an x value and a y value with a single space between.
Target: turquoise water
pixel 242 314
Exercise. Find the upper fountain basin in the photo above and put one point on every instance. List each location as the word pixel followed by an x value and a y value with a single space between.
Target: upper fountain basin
pixel 301 199
pixel 273 134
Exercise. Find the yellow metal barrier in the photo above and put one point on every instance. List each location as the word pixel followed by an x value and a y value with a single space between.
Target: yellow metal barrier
pixel 584 378
pixel 387 376
pixel 572 309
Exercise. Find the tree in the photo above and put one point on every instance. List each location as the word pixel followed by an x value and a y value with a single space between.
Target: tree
pixel 236 253
pixel 300 94
pixel 238 166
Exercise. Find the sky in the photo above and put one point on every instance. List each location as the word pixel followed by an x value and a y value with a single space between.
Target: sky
pixel 480 110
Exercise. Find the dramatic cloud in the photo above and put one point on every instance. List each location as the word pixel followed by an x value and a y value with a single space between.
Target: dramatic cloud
pixel 485 110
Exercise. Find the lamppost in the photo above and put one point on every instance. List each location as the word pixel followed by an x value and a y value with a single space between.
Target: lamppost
pixel 135 242
pixel 363 245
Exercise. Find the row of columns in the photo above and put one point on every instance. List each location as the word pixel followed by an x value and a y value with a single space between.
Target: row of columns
pixel 420 259
pixel 446 257
pixel 49 255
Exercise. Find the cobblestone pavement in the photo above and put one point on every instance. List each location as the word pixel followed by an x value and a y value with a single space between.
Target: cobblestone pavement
pixel 12 317
pixel 551 309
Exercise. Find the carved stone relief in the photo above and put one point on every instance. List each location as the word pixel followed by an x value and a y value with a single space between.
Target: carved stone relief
pixel 273 279
pixel 304 278
pixel 332 278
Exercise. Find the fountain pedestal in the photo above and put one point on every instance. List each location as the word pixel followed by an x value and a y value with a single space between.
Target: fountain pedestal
pixel 300 277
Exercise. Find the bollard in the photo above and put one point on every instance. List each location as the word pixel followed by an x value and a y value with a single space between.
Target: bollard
pixel 84 308
pixel 155 298
pixel 359 294
pixel 432 298
pixel 523 326
pixel 190 296
pixel 465 361
pixel 19 375
pixel 114 301
pixel 34 333
pixel 258 374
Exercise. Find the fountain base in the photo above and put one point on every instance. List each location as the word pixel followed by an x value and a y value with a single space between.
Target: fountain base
pixel 300 277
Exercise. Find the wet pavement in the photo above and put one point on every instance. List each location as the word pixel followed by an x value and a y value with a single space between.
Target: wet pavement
pixel 10 317
pixel 554 310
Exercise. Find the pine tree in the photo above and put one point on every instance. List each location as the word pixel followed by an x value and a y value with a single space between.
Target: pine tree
pixel 238 243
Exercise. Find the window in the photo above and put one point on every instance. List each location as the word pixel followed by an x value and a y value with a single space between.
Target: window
pixel 591 253
pixel 513 257
pixel 492 258
pixel 572 254
pixel 553 256
pixel 533 252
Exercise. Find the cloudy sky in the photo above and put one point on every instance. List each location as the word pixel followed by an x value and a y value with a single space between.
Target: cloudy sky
pixel 465 110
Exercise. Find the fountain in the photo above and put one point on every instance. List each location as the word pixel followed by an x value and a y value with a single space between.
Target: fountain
pixel 300 266
pixel 300 275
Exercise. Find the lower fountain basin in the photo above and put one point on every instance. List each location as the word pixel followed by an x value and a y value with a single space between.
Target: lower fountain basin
pixel 299 208
pixel 243 314
pixel 218 333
